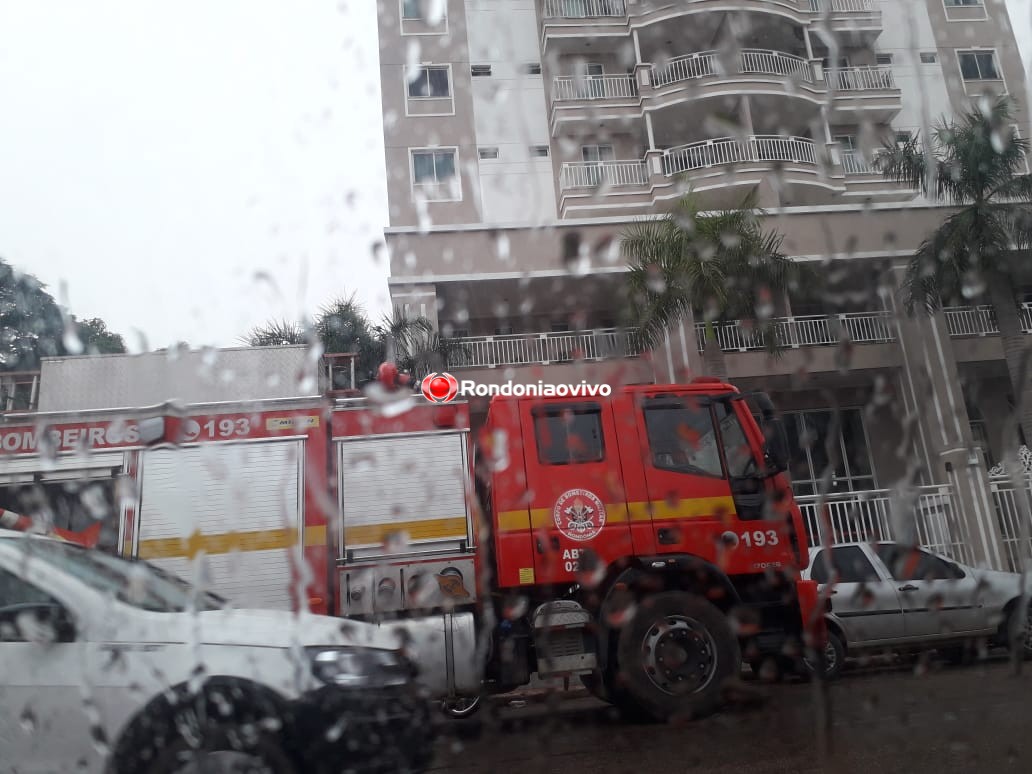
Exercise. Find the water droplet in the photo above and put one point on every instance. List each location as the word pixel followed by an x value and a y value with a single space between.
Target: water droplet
pixel 27 720
pixel 972 285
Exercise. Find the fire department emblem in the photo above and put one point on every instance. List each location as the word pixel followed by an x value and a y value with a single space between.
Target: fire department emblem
pixel 579 514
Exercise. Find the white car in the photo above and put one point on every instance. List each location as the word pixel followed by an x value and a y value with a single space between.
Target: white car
pixel 108 666
pixel 892 597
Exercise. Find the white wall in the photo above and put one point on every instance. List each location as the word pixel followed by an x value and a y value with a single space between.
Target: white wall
pixel 510 112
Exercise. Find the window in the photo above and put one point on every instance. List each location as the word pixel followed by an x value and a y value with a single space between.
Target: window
pixel 883 59
pixel 907 564
pixel 15 591
pixel 682 437
pixel 737 452
pixel 480 71
pixel 978 65
pixel 488 153
pixel 841 63
pixel 929 57
pixel 532 69
pixel 540 151
pixel 503 330
pixel 904 137
pixel 559 327
pixel 808 442
pixel 597 153
pixel 569 434
pixel 430 83
pixel 433 171
pixel 848 562
pixel 412 9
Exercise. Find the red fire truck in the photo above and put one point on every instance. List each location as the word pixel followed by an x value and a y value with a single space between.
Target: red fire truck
pixel 647 541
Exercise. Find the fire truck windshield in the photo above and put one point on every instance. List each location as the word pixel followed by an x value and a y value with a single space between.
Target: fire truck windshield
pixel 135 583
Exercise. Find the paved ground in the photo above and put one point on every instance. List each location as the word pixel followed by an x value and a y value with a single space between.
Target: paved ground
pixel 913 718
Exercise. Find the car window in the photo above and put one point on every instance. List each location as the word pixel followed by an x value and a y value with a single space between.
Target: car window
pixel 914 564
pixel 17 591
pixel 849 562
pixel 682 436
pixel 567 435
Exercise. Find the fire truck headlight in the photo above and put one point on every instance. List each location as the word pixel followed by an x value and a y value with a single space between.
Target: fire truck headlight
pixel 360 667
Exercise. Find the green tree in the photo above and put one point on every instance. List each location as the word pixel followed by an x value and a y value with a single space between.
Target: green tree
pixel 97 339
pixel 723 264
pixel 975 164
pixel 31 326
pixel 276 333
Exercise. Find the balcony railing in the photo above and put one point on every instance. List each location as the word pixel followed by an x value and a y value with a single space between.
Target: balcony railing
pixel 842 6
pixel 750 61
pixel 854 163
pixel 1013 520
pixel 541 348
pixel 571 87
pixel 730 150
pixel 927 516
pixel 595 174
pixel 583 9
pixel 861 78
pixel 981 320
pixel 803 331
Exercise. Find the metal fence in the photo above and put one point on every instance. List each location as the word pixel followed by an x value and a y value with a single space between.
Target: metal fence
pixel 581 9
pixel 802 331
pixel 980 320
pixel 730 150
pixel 572 87
pixel 594 174
pixel 541 348
pixel 861 78
pixel 750 61
pixel 925 516
pixel 842 6
pixel 1011 518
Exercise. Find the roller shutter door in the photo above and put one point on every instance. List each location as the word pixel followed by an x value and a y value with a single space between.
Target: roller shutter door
pixel 241 504
pixel 414 485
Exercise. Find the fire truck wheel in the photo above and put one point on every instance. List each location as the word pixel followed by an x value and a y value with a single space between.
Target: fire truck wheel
pixel 461 707
pixel 675 656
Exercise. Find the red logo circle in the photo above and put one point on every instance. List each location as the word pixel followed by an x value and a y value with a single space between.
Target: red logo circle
pixel 440 388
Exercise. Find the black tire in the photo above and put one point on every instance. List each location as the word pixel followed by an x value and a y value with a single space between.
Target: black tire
pixel 225 728
pixel 674 657
pixel 831 660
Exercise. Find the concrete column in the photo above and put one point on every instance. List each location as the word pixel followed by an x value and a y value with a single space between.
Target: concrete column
pixel 677 359
pixel 933 397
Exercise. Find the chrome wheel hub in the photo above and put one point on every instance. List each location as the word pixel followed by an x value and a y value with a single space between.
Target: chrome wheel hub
pixel 679 655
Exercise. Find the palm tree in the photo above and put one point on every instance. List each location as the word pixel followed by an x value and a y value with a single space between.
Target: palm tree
pixel 722 263
pixel 275 333
pixel 975 164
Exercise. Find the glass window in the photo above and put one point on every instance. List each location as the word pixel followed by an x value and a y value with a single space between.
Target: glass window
pixel 978 66
pixel 682 436
pixel 913 564
pixel 737 452
pixel 569 434
pixel 808 443
pixel 430 83
pixel 412 9
pixel 849 563
pixel 15 591
pixel 433 171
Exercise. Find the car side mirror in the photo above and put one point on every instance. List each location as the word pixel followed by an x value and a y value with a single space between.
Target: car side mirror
pixel 39 622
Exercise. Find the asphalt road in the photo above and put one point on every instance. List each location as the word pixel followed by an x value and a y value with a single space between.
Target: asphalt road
pixel 914 718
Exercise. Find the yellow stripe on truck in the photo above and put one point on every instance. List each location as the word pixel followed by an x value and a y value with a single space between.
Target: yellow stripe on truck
pixel 618 513
pixel 425 529
pixel 223 543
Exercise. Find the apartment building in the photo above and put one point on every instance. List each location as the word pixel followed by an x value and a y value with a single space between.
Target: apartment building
pixel 522 136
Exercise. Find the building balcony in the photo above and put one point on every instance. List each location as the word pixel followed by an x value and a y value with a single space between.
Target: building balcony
pixel 803 331
pixel 541 348
pixel 968 321
pixel 865 180
pixel 716 169
pixel 768 77
pixel 566 20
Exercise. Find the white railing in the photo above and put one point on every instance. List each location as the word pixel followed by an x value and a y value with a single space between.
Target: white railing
pixel 842 6
pixel 572 87
pixel 981 320
pixel 802 331
pixel 926 516
pixel 752 61
pixel 730 150
pixel 861 78
pixel 541 348
pixel 854 163
pixel 1012 520
pixel 583 9
pixel 595 174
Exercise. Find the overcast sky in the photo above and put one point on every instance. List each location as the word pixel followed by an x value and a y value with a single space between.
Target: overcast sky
pixel 188 169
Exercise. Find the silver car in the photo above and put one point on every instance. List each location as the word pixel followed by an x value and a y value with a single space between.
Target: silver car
pixel 888 596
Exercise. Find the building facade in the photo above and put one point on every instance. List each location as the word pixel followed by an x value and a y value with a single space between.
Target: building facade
pixel 522 136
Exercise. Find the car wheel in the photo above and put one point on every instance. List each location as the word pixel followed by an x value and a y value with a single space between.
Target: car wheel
pixel 830 660
pixel 231 728
pixel 674 657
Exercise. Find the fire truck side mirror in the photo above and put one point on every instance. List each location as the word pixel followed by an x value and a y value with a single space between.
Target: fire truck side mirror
pixel 775 438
